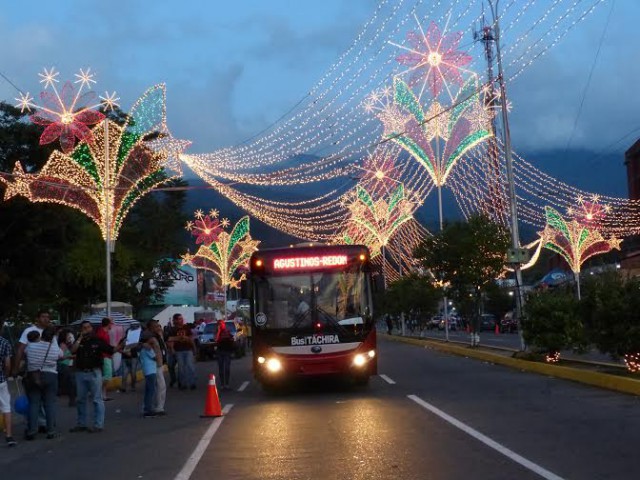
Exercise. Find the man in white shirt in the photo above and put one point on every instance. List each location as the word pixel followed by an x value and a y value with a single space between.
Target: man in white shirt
pixel 42 322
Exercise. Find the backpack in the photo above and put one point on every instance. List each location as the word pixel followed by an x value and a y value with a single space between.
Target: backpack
pixel 226 342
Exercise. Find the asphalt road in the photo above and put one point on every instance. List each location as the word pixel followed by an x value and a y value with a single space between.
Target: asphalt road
pixel 445 417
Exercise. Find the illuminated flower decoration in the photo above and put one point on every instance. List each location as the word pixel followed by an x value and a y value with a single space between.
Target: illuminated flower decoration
pixel 574 241
pixel 67 113
pixel 433 59
pixel 205 228
pixel 102 187
pixel 457 127
pixel 226 255
pixel 375 220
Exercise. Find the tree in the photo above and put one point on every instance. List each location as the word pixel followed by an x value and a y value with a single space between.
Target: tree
pixel 611 312
pixel 52 256
pixel 467 257
pixel 551 322
pixel 412 293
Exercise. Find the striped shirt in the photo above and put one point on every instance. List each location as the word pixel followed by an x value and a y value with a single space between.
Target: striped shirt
pixel 5 352
pixel 36 357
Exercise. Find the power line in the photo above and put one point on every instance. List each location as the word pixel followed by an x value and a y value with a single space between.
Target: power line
pixel 593 67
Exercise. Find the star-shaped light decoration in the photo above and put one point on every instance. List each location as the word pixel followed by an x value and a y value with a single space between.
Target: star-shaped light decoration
pixel 20 183
pixel 433 59
pixel 66 113
pixel 589 213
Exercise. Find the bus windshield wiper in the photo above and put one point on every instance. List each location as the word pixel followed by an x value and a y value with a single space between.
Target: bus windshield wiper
pixel 332 319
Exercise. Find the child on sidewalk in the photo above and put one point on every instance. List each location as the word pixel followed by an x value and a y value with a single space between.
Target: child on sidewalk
pixel 150 357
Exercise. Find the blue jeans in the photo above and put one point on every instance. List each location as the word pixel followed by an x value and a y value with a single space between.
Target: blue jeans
pixel 224 367
pixel 90 383
pixel 171 364
pixel 129 367
pixel 186 369
pixel 149 392
pixel 47 395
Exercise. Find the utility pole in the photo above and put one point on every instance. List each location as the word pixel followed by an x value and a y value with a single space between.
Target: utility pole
pixel 516 252
pixel 496 205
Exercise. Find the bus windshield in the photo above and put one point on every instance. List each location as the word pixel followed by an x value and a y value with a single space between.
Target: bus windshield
pixel 335 300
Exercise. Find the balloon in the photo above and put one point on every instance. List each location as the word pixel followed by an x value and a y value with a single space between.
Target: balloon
pixel 21 405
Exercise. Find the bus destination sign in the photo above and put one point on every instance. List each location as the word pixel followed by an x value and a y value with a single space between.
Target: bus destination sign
pixel 318 261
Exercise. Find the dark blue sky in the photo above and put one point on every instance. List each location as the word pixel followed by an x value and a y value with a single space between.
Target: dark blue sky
pixel 231 68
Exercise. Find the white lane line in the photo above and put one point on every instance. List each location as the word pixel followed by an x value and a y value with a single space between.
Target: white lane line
pixel 192 462
pixel 243 386
pixel 387 379
pixel 534 467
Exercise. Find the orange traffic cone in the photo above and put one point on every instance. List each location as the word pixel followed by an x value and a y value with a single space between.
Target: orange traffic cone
pixel 497 332
pixel 212 406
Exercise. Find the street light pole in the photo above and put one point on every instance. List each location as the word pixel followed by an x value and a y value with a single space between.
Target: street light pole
pixel 506 134
pixel 107 200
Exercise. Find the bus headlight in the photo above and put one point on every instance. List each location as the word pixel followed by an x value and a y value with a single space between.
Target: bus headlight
pixel 261 360
pixel 359 360
pixel 274 365
pixel 371 353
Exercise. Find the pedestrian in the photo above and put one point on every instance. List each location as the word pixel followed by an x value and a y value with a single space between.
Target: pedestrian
pixel 161 385
pixel 66 374
pixel 181 344
pixel 42 322
pixel 42 354
pixel 224 347
pixel 150 358
pixel 389 323
pixel 129 363
pixel 107 362
pixel 169 332
pixel 88 349
pixel 5 395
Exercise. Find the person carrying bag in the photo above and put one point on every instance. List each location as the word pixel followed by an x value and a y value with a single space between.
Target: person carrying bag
pixel 42 381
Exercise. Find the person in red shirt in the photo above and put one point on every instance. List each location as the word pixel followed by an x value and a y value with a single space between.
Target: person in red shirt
pixel 107 362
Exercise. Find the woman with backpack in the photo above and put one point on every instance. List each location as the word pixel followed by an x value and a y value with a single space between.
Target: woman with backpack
pixel 225 346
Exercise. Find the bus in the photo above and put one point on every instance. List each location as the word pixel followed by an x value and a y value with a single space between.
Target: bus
pixel 311 314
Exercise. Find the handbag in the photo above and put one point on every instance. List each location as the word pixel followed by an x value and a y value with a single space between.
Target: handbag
pixel 34 377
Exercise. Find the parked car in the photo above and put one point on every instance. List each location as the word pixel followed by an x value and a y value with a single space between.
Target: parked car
pixel 509 324
pixel 487 322
pixel 207 340
pixel 434 322
pixel 453 324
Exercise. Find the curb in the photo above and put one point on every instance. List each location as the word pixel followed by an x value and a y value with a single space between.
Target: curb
pixel 596 379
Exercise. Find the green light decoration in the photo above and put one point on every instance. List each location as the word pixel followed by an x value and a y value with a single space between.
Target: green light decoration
pixel 104 177
pixel 457 130
pixel 373 222
pixel 222 253
pixel 575 241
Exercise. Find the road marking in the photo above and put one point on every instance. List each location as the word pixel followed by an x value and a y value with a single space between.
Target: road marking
pixel 192 462
pixel 243 386
pixel 387 379
pixel 486 440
